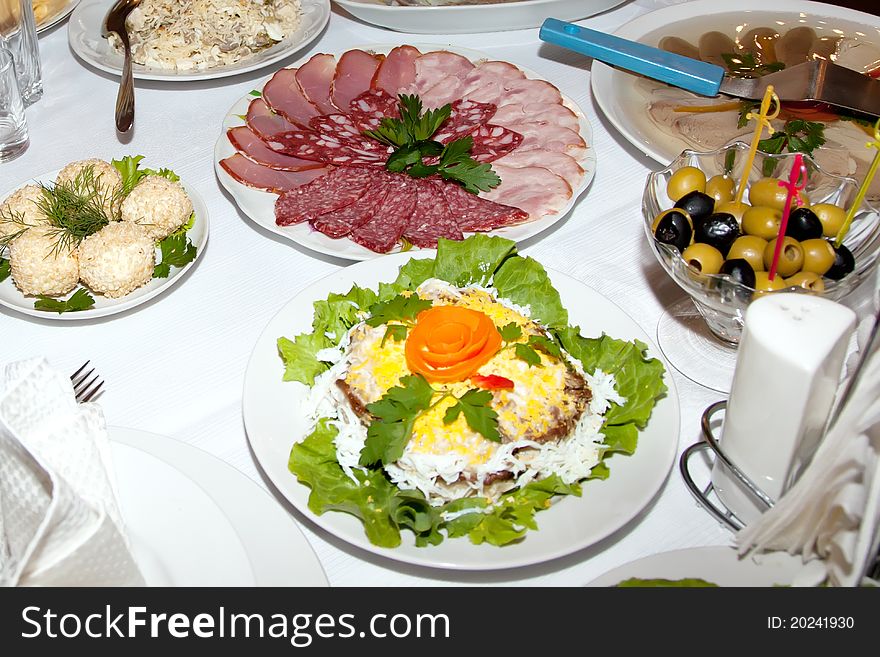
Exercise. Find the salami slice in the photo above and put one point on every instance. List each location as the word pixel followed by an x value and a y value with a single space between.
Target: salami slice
pixel 339 223
pixel 337 189
pixel 493 141
pixel 391 218
pixel 368 109
pixel 258 176
pixel 477 214
pixel 466 115
pixel 263 121
pixel 309 145
pixel 249 144
pixel 431 218
pixel 284 95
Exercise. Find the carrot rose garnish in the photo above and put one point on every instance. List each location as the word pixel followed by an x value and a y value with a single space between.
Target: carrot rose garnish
pixel 450 343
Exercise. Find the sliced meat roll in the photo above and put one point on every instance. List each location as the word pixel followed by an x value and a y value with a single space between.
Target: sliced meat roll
pixel 285 96
pixel 564 166
pixel 262 177
pixel 315 78
pixel 554 114
pixel 549 137
pixel 397 71
pixel 435 66
pixel 354 74
pixel 534 190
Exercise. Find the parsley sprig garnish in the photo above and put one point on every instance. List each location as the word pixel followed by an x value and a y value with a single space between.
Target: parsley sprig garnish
pixel 5 269
pixel 744 65
pixel 410 136
pixel 395 414
pixel 399 309
pixel 474 405
pixel 79 300
pixel 796 136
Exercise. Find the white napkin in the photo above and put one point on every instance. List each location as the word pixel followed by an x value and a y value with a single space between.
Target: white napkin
pixel 60 523
pixel 832 513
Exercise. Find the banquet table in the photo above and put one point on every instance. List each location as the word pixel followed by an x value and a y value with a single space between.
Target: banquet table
pixel 175 365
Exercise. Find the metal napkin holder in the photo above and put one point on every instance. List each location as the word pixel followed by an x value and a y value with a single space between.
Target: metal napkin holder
pixel 711 443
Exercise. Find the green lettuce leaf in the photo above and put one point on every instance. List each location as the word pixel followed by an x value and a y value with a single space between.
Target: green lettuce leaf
pixel 299 356
pixel 5 269
pixel 636 582
pixel 339 312
pixel 525 282
pixel 473 260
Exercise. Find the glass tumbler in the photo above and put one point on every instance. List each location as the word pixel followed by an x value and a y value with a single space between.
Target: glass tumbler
pixel 18 33
pixel 13 128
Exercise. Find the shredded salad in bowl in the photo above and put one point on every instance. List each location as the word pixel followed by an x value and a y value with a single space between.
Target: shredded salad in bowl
pixel 457 400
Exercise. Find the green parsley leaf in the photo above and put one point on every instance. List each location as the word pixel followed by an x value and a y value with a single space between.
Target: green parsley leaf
pixel 474 176
pixel 796 136
pixel 474 404
pixel 399 308
pixel 5 269
pixel 403 158
pixel 510 332
pixel 395 331
pixel 745 65
pixel 527 353
pixel 395 414
pixel 79 300
pixel 255 93
pixel 546 345
pixel 177 251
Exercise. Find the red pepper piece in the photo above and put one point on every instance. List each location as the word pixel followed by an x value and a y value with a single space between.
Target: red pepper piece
pixel 492 382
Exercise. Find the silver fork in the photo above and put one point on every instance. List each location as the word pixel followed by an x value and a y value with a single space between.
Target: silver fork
pixel 85 388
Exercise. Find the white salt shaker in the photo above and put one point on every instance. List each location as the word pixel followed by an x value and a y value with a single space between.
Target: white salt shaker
pixel 787 372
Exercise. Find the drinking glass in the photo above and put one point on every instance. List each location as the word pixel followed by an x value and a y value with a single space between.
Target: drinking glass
pixel 18 33
pixel 13 128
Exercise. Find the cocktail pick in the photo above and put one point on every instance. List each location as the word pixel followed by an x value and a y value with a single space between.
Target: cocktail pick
pixel 860 196
pixel 797 180
pixel 763 118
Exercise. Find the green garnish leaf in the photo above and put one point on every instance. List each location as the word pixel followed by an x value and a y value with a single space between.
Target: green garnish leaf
pixel 546 345
pixel 796 136
pixel 339 312
pixel 510 332
pixel 129 168
pixel 474 176
pixel 691 582
pixel 400 308
pixel 745 65
pixel 403 158
pixel 471 261
pixel 79 300
pixel 300 356
pixel 5 269
pixel 397 332
pixel 474 404
pixel 525 282
pixel 395 414
pixel 528 354
pixel 255 93
pixel 177 251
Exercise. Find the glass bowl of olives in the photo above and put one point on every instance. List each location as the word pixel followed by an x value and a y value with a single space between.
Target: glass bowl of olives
pixel 719 251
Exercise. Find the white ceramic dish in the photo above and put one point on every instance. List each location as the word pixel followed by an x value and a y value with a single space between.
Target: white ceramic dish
pixel 84 35
pixel 616 91
pixel 206 524
pixel 718 565
pixel 272 420
pixel 11 297
pixel 59 15
pixel 463 19
pixel 259 206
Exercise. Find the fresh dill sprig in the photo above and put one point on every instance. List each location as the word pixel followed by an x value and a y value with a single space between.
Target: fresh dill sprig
pixel 7 216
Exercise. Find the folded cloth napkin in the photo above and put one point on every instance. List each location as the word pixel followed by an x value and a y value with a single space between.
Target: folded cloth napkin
pixel 832 513
pixel 60 523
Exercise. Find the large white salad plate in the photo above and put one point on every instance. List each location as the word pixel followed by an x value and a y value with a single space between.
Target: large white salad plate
pixel 463 19
pixel 84 35
pixel 716 564
pixel 11 297
pixel 193 520
pixel 619 94
pixel 273 421
pixel 62 11
pixel 259 206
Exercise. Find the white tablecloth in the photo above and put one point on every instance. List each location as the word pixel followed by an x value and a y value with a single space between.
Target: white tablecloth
pixel 175 365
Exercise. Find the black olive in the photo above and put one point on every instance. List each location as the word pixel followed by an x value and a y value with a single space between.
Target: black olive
pixel 673 227
pixel 697 204
pixel 739 270
pixel 844 263
pixel 719 230
pixel 803 224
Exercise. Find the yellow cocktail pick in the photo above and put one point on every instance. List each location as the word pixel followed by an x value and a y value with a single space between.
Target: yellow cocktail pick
pixel 860 196
pixel 763 117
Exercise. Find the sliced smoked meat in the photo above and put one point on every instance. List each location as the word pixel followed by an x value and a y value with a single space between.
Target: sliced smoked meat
pixel 537 113
pixel 562 165
pixel 493 141
pixel 397 71
pixel 258 176
pixel 433 67
pixel 368 109
pixel 263 121
pixel 431 218
pixel 340 222
pixel 354 74
pixel 284 95
pixel 391 218
pixel 309 145
pixel 477 214
pixel 535 190
pixel 464 117
pixel 550 137
pixel 315 78
pixel 342 127
pixel 339 188
pixel 249 144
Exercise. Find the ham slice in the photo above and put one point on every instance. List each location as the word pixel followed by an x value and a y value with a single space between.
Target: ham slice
pixel 258 176
pixel 339 188
pixel 354 74
pixel 249 144
pixel 263 121
pixel 534 190
pixel 537 113
pixel 397 71
pixel 501 70
pixel 285 96
pixel 549 137
pixel 315 78
pixel 561 164
pixel 434 66
pixel 488 88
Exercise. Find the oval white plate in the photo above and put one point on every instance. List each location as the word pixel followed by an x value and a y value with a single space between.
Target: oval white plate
pixel 464 19
pixel 11 297
pixel 260 205
pixel 272 420
pixel 719 565
pixel 615 90
pixel 84 35
pixel 207 524
pixel 53 19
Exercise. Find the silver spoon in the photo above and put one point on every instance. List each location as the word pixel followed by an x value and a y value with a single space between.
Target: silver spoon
pixel 114 21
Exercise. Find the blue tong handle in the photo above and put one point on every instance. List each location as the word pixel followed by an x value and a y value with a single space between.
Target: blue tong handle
pixel 691 74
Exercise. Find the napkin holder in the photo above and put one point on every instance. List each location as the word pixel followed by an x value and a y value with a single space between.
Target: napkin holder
pixel 788 369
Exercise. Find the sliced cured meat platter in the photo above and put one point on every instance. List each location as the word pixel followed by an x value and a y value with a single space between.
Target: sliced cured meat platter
pixel 295 159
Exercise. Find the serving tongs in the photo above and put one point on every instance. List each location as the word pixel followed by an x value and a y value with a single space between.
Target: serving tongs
pixel 818 80
pixel 114 22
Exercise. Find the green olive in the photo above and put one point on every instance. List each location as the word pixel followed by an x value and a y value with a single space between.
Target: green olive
pixel 764 284
pixel 791 257
pixel 831 216
pixel 818 255
pixel 704 258
pixel 721 187
pixel 808 280
pixel 768 191
pixel 762 221
pixel 684 181
pixel 749 248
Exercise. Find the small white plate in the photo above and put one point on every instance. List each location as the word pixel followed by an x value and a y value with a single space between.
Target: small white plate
pixel 718 565
pixel 273 421
pixel 617 92
pixel 465 19
pixel 193 520
pixel 84 35
pixel 60 14
pixel 11 297
pixel 259 206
